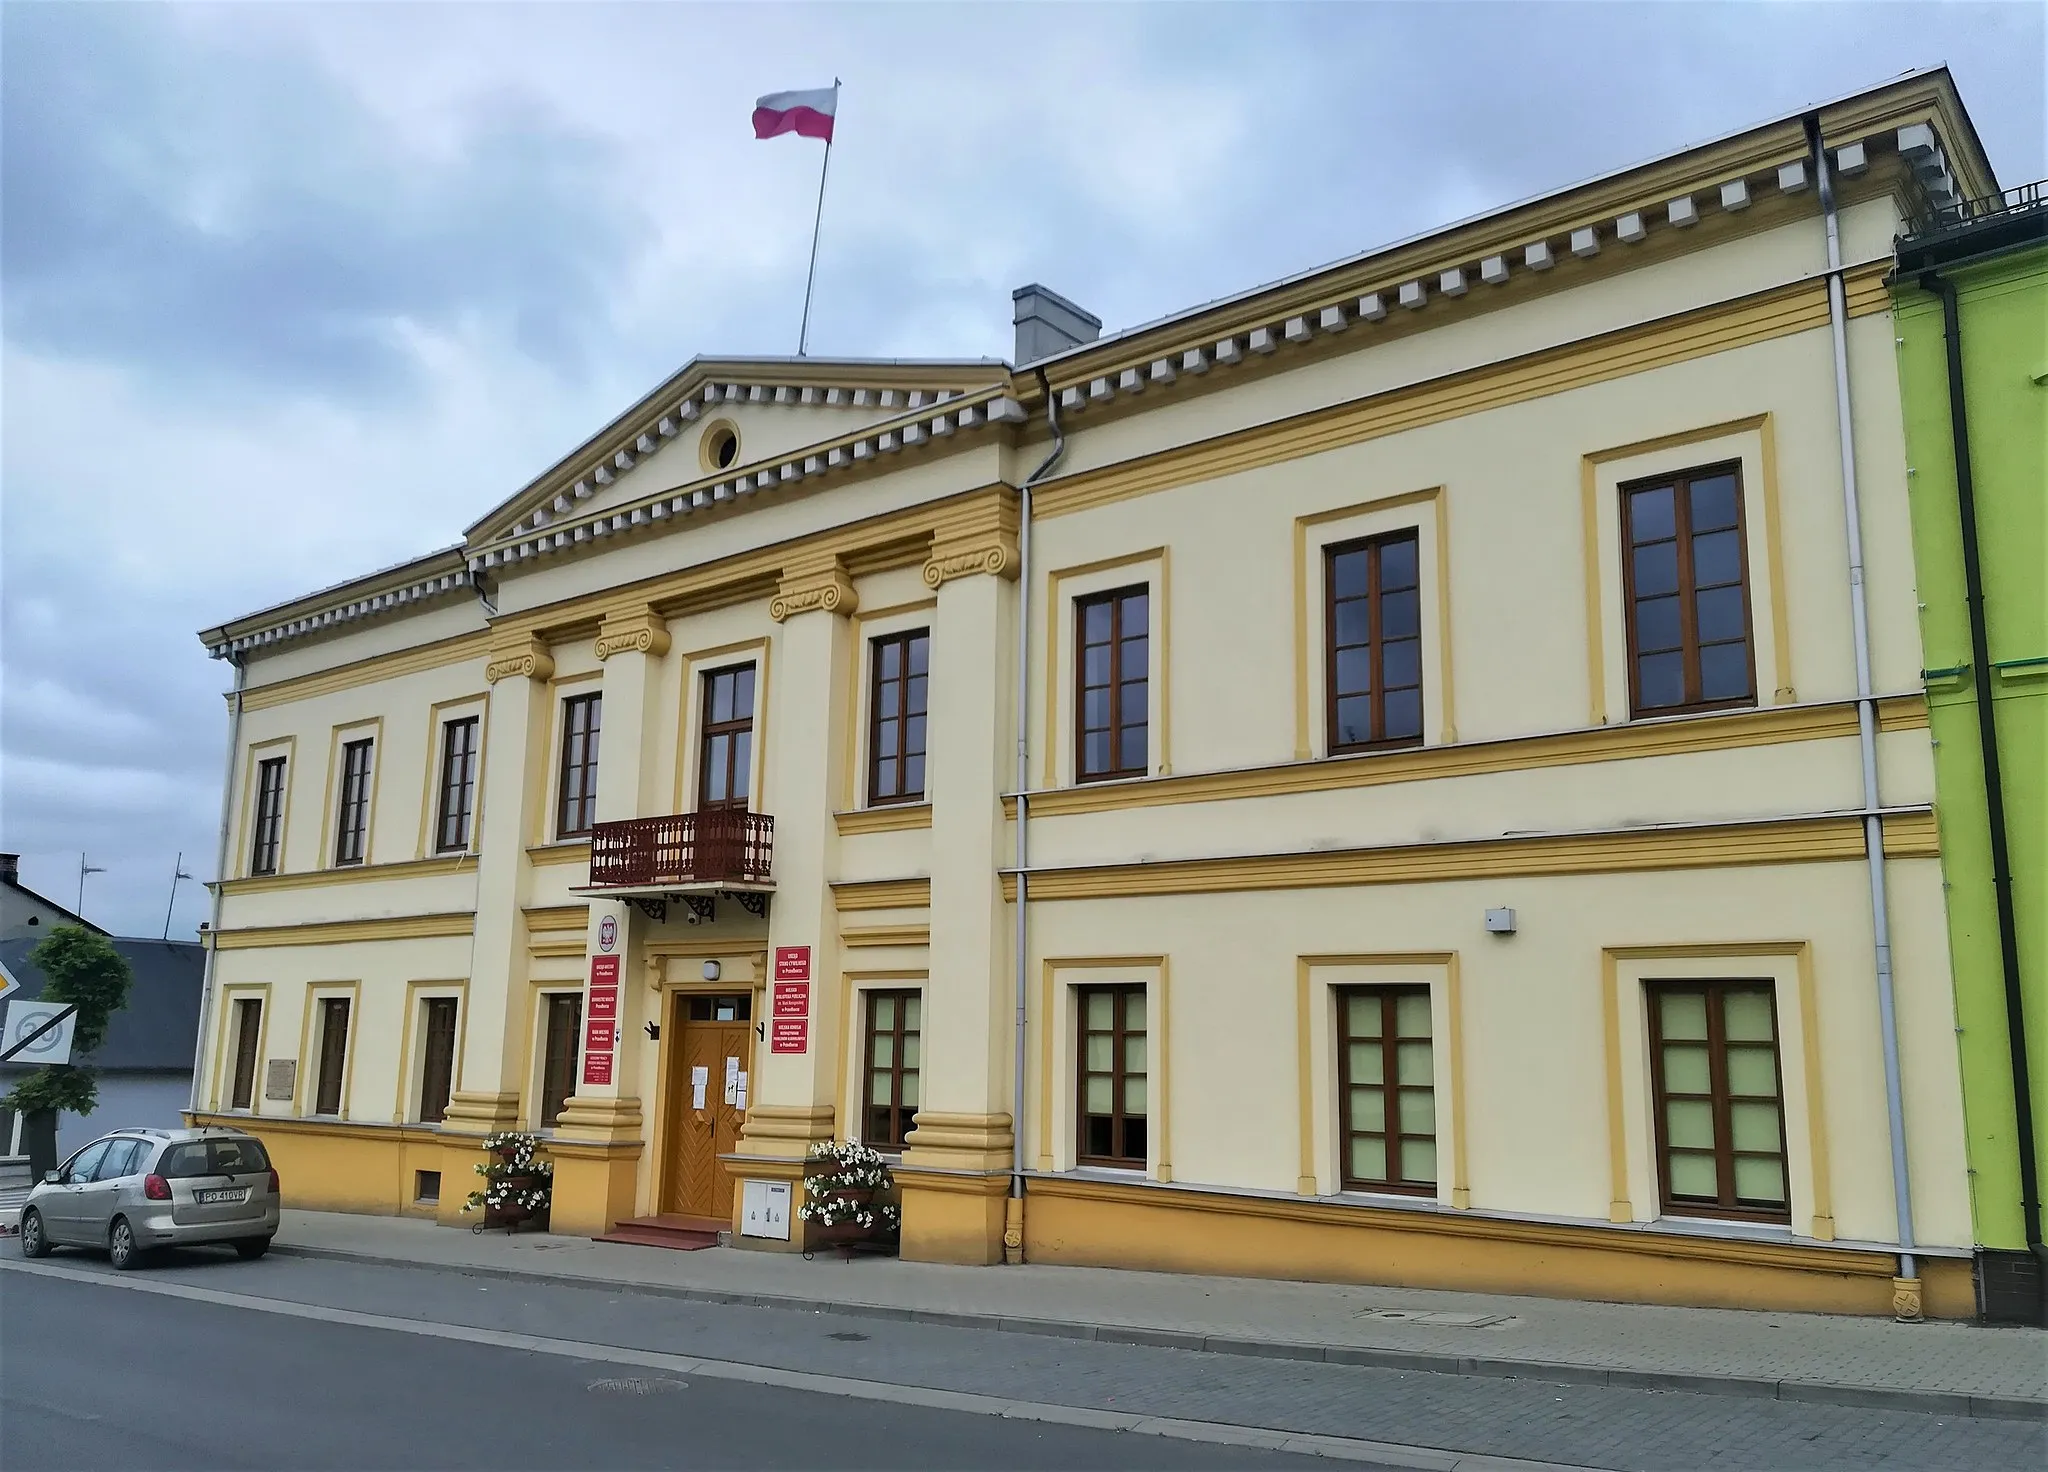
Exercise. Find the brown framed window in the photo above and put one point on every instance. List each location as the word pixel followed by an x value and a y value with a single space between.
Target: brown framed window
pixel 576 804
pixel 725 763
pixel 437 1057
pixel 458 785
pixel 333 1054
pixel 1111 1073
pixel 248 1038
pixel 558 1060
pixel 1686 587
pixel 1112 664
pixel 1386 1089
pixel 892 1062
pixel 1373 680
pixel 896 724
pixel 1719 1099
pixel 352 829
pixel 263 855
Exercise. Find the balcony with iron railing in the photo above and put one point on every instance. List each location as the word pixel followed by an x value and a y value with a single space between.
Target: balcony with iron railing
pixel 690 856
pixel 1939 232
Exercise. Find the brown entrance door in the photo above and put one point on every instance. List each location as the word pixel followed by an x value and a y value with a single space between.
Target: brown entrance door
pixel 709 1030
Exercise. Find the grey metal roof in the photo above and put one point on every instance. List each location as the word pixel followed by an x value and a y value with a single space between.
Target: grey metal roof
pixel 158 1029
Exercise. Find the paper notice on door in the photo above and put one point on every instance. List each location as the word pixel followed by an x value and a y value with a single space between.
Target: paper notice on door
pixel 739 1095
pixel 732 1080
pixel 699 1078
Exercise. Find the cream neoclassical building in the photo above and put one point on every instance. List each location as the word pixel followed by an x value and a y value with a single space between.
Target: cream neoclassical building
pixel 1452 795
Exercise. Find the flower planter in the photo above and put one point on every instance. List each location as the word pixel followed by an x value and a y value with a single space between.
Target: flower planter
pixel 518 1186
pixel 848 1201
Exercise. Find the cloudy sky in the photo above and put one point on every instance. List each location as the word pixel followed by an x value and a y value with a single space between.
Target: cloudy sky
pixel 295 291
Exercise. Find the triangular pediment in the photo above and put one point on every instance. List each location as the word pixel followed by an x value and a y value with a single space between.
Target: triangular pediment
pixel 727 414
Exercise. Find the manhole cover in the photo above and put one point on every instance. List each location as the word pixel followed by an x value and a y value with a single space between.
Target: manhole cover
pixel 847 1337
pixel 1436 1320
pixel 637 1387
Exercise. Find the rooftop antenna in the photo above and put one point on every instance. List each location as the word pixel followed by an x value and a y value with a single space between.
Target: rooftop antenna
pixel 84 869
pixel 177 873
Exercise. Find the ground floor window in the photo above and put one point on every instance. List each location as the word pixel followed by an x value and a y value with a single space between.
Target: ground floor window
pixel 558 1058
pixel 1111 1074
pixel 1386 1089
pixel 248 1038
pixel 1719 1099
pixel 333 1055
pixel 437 1057
pixel 891 1061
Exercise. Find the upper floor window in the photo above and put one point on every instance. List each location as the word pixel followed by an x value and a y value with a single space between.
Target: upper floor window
pixel 458 785
pixel 352 828
pixel 1373 595
pixel 1719 1099
pixel 897 717
pixel 1686 591
pixel 1112 665
pixel 726 758
pixel 263 856
pixel 576 804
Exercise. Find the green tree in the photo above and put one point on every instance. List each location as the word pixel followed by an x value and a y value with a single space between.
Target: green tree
pixel 81 968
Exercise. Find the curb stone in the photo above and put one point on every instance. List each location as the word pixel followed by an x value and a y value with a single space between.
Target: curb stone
pixel 1924 1402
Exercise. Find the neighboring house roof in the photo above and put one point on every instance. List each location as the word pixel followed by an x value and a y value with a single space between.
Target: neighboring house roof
pixel 159 1028
pixel 10 876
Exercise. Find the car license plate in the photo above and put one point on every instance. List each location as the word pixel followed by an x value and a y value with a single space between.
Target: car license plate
pixel 222 1198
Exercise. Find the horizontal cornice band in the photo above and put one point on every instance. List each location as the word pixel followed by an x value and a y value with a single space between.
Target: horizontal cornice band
pixel 433 868
pixel 341 932
pixel 881 894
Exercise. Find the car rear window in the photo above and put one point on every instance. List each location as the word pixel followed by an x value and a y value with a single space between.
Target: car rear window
pixel 190 1158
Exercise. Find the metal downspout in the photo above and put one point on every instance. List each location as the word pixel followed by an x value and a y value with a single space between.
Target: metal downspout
pixel 1013 1228
pixel 1905 1302
pixel 220 874
pixel 1994 782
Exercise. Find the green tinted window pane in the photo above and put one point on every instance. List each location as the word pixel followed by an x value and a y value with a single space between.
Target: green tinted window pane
pixel 1418 1162
pixel 1693 1175
pixel 1753 1070
pixel 1101 1052
pixel 1746 1016
pixel 1368 1063
pixel 1134 1054
pixel 1759 1180
pixel 1414 1063
pixel 878 1088
pixel 1100 1099
pixel 910 1091
pixel 1411 1015
pixel 910 1050
pixel 1683 1015
pixel 1134 1095
pixel 913 1008
pixel 1134 1011
pixel 1101 1010
pixel 885 1012
pixel 1362 1015
pixel 1689 1124
pixel 1754 1127
pixel 1685 1069
pixel 885 1050
pixel 1418 1112
pixel 1369 1110
pixel 1368 1160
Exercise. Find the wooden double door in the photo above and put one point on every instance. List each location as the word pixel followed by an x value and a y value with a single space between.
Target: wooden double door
pixel 714 1034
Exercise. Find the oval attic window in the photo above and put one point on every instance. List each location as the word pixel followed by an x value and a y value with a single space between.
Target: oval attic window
pixel 724 447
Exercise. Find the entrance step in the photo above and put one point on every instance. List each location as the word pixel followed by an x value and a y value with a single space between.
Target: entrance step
pixel 679 1233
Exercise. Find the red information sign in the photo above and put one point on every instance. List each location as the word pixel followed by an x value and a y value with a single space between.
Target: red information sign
pixel 792 999
pixel 604 1003
pixel 604 970
pixel 792 963
pixel 600 1037
pixel 597 1068
pixel 788 1035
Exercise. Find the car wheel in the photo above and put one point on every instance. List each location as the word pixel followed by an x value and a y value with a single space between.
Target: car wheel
pixel 35 1242
pixel 121 1249
pixel 252 1247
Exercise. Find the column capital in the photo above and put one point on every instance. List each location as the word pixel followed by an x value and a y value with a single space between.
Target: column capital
pixel 978 536
pixel 640 630
pixel 819 582
pixel 527 657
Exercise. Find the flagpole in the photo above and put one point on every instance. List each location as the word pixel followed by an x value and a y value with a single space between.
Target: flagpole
pixel 803 335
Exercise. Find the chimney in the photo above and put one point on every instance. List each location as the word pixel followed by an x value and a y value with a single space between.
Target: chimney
pixel 1048 323
pixel 10 869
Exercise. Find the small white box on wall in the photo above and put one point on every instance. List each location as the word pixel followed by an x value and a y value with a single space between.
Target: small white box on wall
pixel 1500 922
pixel 764 1209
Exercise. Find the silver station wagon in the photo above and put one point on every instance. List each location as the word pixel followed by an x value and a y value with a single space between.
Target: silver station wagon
pixel 137 1190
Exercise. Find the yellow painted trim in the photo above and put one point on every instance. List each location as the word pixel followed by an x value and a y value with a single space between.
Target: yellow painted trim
pixel 1910 835
pixel 704 438
pixel 881 894
pixel 1059 655
pixel 322 1126
pixel 231 993
pixel 555 949
pixel 430 784
pixel 338 737
pixel 895 818
pixel 335 932
pixel 1672 736
pixel 1619 1207
pixel 1787 690
pixel 397 871
pixel 854 937
pixel 1309 639
pixel 260 751
pixel 863 622
pixel 572 851
pixel 1823 1225
pixel 690 717
pixel 1304 1084
pixel 378 667
pixel 1158 1053
pixel 307 1082
pixel 554 918
pixel 849 1103
pixel 417 992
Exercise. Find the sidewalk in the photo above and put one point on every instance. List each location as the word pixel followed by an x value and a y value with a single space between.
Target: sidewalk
pixel 1949 1369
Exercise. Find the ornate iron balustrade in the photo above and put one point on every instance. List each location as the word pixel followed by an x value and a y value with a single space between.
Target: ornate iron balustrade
pixel 718 846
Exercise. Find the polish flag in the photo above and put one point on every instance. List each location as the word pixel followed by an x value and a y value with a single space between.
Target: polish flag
pixel 806 114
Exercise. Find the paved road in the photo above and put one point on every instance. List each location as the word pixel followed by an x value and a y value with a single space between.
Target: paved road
pixel 95 1377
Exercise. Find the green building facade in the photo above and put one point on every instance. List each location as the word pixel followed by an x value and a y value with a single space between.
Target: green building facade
pixel 1971 300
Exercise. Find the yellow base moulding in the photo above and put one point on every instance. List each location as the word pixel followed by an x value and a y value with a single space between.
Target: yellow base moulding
pixel 594 1185
pixel 328 1165
pixel 1104 1224
pixel 952 1218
